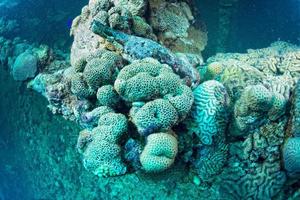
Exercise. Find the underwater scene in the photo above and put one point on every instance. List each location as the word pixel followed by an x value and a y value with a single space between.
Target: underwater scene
pixel 149 100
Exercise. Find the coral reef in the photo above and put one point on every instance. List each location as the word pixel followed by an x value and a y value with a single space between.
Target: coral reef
pixel 164 99
pixel 133 86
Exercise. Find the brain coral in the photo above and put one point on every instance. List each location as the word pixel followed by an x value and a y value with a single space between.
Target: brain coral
pixel 168 100
pixel 159 152
pixel 256 105
pixel 91 118
pixel 97 73
pixel 140 80
pixel 98 69
pixel 263 181
pixel 100 149
pixel 291 155
pixel 157 115
pixel 209 115
pixel 107 96
pixel 103 158
pixel 296 111
pixel 79 86
pixel 211 159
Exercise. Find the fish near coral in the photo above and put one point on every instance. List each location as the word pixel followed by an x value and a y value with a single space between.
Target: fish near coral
pixel 136 48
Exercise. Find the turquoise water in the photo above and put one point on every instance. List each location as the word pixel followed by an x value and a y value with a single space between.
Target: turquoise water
pixel 38 155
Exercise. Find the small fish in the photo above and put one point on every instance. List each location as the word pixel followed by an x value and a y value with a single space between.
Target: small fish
pixel 69 23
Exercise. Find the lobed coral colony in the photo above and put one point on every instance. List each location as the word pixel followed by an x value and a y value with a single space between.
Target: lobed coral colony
pixel 146 101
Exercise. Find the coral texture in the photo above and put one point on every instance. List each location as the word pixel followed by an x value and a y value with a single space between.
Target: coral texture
pixel 291 155
pixel 159 152
pixel 257 105
pixel 209 113
pixel 168 100
pixel 101 152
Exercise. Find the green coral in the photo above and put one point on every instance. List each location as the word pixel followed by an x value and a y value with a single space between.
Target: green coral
pixel 211 159
pixel 159 152
pixel 102 154
pixel 97 73
pixel 79 86
pixel 167 100
pixel 93 71
pixel 157 115
pixel 91 118
pixel 236 77
pixel 258 98
pixel 139 81
pixel 291 155
pixel 103 158
pixel 255 107
pixel 278 106
pixel 181 100
pixel 263 181
pixel 80 64
pixel 209 112
pixel 115 124
pixel 107 96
